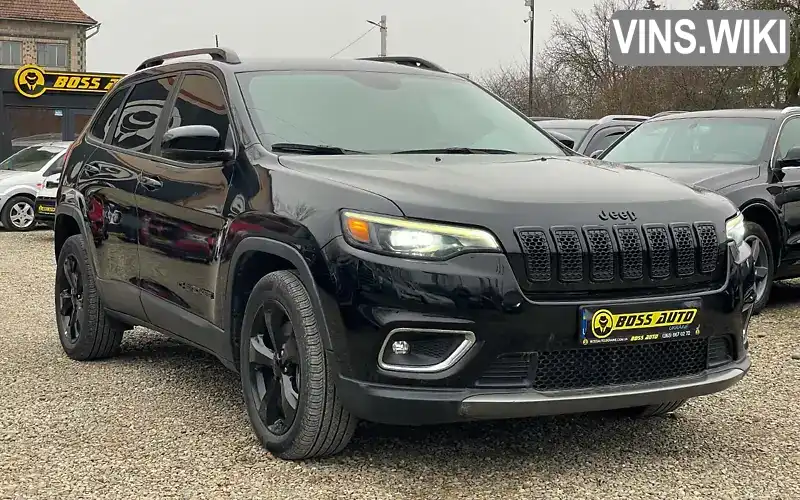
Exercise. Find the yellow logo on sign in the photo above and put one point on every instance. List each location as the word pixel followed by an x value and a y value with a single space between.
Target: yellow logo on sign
pixel 604 322
pixel 29 81
pixel 33 81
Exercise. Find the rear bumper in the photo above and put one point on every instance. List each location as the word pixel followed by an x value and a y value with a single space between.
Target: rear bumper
pixel 421 406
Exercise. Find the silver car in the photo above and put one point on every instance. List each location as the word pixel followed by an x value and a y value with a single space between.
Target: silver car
pixel 21 176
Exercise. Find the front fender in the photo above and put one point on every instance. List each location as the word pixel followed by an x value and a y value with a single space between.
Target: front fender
pixel 312 272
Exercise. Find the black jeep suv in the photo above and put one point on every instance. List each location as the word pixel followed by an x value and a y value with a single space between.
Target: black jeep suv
pixel 366 239
pixel 751 156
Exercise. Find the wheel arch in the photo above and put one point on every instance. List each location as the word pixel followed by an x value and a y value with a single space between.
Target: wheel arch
pixel 68 223
pixel 24 193
pixel 254 258
pixel 765 217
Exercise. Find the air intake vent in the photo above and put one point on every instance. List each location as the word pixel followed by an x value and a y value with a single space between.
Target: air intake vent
pixel 630 250
pixel 601 254
pixel 685 257
pixel 537 254
pixel 709 246
pixel 570 254
pixel 658 246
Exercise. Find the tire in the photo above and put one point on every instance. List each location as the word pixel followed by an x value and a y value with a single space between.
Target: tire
pixel 319 425
pixel 654 410
pixel 95 336
pixel 754 232
pixel 17 210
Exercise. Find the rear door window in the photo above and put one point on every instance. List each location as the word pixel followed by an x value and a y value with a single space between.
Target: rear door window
pixel 138 119
pixel 105 118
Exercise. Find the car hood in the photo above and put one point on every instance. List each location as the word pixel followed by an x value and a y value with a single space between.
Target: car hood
pixel 711 176
pixel 504 192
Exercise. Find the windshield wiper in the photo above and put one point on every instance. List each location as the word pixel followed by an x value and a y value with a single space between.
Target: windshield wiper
pixel 311 149
pixel 457 151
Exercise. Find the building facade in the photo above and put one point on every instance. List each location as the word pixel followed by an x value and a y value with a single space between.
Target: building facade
pixel 50 34
pixel 45 92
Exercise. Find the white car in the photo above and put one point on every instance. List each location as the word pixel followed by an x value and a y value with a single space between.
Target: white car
pixel 45 206
pixel 22 175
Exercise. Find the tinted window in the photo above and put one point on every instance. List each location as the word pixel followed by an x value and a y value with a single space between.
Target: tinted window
pixel 694 140
pixel 201 102
pixel 385 112
pixel 603 140
pixel 57 166
pixel 790 137
pixel 139 117
pixel 30 159
pixel 103 119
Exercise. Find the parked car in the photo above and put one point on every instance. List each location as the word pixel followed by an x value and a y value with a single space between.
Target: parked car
pixel 45 205
pixel 390 242
pixel 591 135
pixel 21 176
pixel 751 156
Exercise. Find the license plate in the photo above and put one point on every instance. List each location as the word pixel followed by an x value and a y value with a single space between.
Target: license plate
pixel 606 325
pixel 46 209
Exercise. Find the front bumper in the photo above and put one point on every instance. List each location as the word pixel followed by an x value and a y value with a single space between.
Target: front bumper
pixel 45 210
pixel 423 406
pixel 375 295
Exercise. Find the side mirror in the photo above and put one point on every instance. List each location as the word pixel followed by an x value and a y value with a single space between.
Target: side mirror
pixel 596 153
pixel 792 159
pixel 194 143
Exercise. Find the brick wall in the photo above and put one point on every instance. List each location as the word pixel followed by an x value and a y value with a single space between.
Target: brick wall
pixel 30 33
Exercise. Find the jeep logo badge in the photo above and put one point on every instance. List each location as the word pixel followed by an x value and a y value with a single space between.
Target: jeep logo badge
pixel 627 215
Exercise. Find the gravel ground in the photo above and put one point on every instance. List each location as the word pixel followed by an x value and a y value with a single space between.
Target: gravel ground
pixel 165 421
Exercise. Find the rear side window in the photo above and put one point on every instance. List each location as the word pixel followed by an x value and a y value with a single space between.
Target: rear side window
pixel 139 117
pixel 105 117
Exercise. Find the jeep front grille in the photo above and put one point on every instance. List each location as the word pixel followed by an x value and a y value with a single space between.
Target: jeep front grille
pixel 623 256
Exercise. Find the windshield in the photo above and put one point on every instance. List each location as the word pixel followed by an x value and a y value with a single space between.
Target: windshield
pixel 29 159
pixel 694 140
pixel 576 134
pixel 373 112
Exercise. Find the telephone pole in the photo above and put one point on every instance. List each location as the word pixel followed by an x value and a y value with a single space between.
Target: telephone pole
pixel 382 26
pixel 529 3
pixel 383 35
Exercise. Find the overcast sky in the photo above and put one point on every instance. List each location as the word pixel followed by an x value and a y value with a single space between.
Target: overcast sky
pixel 464 36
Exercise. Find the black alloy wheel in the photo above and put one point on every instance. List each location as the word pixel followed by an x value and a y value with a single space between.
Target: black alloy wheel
pixel 760 263
pixel 71 311
pixel 274 363
pixel 288 381
pixel 763 262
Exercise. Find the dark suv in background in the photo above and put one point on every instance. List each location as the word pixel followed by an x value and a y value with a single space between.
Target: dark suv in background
pixel 381 239
pixel 591 135
pixel 751 156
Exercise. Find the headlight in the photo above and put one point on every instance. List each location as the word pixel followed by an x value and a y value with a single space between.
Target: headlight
pixel 734 228
pixel 408 238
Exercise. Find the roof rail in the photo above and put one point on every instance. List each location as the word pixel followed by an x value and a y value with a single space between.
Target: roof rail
pixel 414 62
pixel 665 113
pixel 609 118
pixel 790 109
pixel 540 118
pixel 216 53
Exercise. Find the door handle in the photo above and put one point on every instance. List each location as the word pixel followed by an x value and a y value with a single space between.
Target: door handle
pixel 91 169
pixel 150 183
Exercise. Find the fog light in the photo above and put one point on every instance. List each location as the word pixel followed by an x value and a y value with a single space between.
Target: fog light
pixel 400 347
